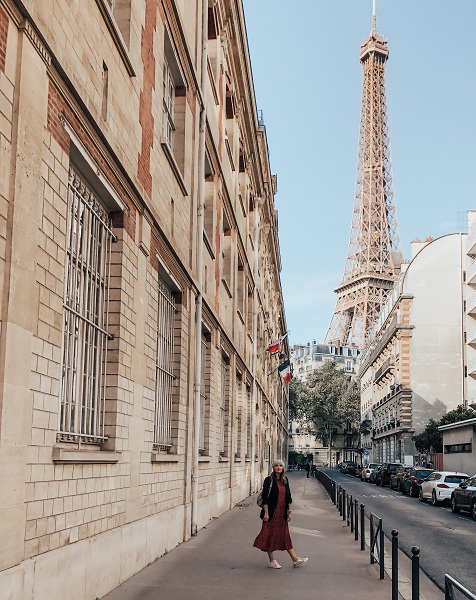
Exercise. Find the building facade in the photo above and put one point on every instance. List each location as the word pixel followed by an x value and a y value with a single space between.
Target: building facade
pixel 140 278
pixel 413 367
pixel 306 358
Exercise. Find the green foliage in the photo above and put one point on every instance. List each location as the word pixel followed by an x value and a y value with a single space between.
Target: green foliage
pixel 327 400
pixel 431 439
pixel 460 413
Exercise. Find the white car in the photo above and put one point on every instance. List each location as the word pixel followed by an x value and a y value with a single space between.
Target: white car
pixel 367 471
pixel 439 485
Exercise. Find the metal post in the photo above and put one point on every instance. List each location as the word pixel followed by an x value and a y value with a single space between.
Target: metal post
pixel 382 553
pixel 351 514
pixel 340 501
pixel 362 526
pixel 356 520
pixel 372 560
pixel 343 504
pixel 415 573
pixel 394 564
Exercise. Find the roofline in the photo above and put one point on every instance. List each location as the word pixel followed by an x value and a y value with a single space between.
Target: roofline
pixel 458 424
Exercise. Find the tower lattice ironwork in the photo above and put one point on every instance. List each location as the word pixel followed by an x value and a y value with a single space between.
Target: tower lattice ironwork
pixel 373 258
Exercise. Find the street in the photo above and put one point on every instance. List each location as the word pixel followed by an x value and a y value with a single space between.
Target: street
pixel 446 540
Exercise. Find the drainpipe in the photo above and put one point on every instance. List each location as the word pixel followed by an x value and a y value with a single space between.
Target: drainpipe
pixel 255 345
pixel 199 297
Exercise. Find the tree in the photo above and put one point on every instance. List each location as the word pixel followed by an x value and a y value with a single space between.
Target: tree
pixel 460 413
pixel 430 439
pixel 328 399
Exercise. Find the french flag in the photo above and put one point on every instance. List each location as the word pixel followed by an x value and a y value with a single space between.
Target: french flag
pixel 276 346
pixel 285 371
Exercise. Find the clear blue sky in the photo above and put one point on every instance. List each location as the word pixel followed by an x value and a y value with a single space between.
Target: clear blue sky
pixel 308 83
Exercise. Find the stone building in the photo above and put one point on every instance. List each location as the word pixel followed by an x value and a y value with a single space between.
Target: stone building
pixel 140 279
pixel 413 367
pixel 306 358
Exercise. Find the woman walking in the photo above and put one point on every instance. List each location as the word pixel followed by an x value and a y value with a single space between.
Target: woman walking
pixel 276 513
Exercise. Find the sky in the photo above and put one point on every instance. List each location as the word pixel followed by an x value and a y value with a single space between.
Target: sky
pixel 308 84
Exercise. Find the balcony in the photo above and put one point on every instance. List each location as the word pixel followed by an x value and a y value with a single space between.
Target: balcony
pixel 471 334
pixel 471 304
pixel 471 243
pixel 386 367
pixel 471 271
pixel 472 366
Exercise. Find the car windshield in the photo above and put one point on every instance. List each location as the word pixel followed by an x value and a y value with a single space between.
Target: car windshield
pixel 455 479
pixel 421 473
pixel 372 466
pixel 393 467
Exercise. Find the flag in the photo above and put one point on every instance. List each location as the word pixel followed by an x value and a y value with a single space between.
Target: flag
pixel 276 346
pixel 285 371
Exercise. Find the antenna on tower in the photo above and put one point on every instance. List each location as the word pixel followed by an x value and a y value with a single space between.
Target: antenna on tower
pixel 374 16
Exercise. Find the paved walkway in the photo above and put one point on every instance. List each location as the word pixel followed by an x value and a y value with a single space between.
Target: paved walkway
pixel 221 564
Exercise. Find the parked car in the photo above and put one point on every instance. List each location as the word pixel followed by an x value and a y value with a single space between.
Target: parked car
pixel 383 475
pixel 439 486
pixel 367 471
pixel 464 497
pixel 342 465
pixel 412 481
pixel 374 475
pixel 350 468
pixel 397 476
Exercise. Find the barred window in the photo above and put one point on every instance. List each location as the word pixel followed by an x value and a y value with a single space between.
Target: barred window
pixel 164 368
pixel 203 394
pixel 85 315
pixel 223 416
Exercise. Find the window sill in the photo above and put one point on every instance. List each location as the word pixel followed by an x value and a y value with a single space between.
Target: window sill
pixel 66 456
pixel 238 459
pixel 175 168
pixel 116 35
pixel 155 457
pixel 204 459
pixel 223 459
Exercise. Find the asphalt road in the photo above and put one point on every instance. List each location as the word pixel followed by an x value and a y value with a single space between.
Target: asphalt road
pixel 446 540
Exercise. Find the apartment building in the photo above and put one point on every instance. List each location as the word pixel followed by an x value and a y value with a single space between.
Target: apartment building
pixel 140 282
pixel 413 367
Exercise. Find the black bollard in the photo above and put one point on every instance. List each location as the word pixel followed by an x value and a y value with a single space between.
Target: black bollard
pixel 394 564
pixel 344 500
pixel 356 520
pixel 362 526
pixel 415 573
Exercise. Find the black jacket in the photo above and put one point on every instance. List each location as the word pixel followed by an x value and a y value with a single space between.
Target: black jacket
pixel 271 497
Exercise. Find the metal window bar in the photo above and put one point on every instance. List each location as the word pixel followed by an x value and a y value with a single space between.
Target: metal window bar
pixel 85 316
pixel 164 367
pixel 168 102
pixel 203 395
pixel 223 405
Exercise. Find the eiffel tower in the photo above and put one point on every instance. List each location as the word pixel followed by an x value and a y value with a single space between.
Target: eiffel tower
pixel 373 259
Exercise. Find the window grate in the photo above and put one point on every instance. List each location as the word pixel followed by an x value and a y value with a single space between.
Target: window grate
pixel 164 367
pixel 85 312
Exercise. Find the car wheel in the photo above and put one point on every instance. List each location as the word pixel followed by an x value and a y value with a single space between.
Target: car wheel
pixel 454 507
pixel 434 500
pixel 420 496
pixel 473 510
pixel 411 492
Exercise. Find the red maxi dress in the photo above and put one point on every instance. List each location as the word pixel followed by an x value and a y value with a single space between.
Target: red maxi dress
pixel 274 534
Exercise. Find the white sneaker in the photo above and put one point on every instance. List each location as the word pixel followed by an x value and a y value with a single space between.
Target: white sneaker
pixel 300 561
pixel 274 564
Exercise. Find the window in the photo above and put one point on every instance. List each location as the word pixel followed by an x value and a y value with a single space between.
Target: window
pixel 226 254
pixel 85 315
pixel 169 101
pixel 240 289
pixel 456 448
pixel 117 16
pixel 204 392
pixel 164 367
pixel 174 111
pixel 223 410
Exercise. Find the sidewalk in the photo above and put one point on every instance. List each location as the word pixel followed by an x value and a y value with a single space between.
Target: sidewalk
pixel 221 564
